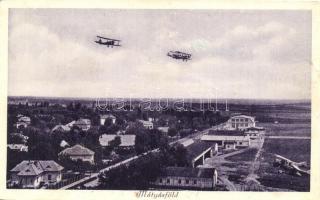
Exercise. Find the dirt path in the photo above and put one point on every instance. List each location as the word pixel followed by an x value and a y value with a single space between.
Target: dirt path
pixel 255 165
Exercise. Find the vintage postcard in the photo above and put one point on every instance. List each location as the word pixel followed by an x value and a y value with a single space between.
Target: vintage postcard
pixel 159 102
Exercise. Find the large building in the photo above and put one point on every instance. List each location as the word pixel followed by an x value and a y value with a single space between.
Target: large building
pixel 240 122
pixel 227 139
pixel 199 151
pixel 187 178
pixel 127 141
pixel 103 118
pixel 33 173
pixel 78 152
pixel 83 124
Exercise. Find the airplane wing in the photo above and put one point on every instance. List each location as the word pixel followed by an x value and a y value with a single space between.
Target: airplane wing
pixel 108 38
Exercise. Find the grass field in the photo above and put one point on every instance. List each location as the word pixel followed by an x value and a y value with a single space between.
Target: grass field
pixel 294 149
pixel 244 156
pixel 281 129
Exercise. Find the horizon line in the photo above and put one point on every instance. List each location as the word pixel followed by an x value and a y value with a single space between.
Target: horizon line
pixel 197 98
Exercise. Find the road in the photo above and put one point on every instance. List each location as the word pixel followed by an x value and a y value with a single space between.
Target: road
pixel 95 175
pixel 288 137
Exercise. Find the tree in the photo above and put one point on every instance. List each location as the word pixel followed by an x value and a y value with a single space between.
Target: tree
pixel 172 132
pixel 115 142
pixel 108 122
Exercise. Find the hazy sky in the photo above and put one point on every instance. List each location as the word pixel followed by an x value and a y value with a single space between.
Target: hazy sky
pixel 244 54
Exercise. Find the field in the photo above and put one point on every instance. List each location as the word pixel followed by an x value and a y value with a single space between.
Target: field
pixel 285 129
pixel 294 149
pixel 244 156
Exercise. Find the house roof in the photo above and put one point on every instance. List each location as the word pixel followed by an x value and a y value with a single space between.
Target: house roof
pixel 226 132
pixel 61 128
pixel 24 119
pixel 197 148
pixel 164 129
pixel 82 121
pixel 244 116
pixel 36 167
pixel 70 124
pixel 63 143
pixel 106 116
pixel 224 138
pixel 187 172
pixel 255 129
pixel 147 123
pixel 77 150
pixel 126 140
pixel 16 146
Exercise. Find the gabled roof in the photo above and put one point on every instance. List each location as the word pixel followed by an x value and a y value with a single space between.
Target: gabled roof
pixel 61 128
pixel 188 172
pixel 106 116
pixel 244 116
pixel 197 148
pixel 76 150
pixel 17 146
pixel 226 132
pixel 82 121
pixel 126 140
pixel 255 129
pixel 163 129
pixel 36 167
pixel 147 123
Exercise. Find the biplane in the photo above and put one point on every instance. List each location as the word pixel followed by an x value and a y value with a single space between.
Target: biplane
pixel 290 166
pixel 179 55
pixel 107 41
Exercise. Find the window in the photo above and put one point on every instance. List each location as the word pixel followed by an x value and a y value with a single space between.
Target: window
pixel 49 177
pixel 233 125
pixel 187 181
pixel 195 182
pixel 160 180
pixel 168 180
pixel 179 181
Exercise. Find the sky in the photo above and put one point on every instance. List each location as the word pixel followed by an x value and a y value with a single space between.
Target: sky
pixel 263 54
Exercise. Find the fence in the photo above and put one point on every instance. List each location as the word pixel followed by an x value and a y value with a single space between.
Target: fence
pixel 66 182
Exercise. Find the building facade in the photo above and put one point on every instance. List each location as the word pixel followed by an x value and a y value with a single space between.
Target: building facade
pixel 103 118
pixel 240 122
pixel 78 152
pixel 146 124
pixel 34 173
pixel 83 124
pixel 187 178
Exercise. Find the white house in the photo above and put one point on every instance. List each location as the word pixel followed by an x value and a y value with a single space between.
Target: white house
pixel 146 124
pixel 18 147
pixel 240 122
pixel 103 118
pixel 83 124
pixel 78 152
pixel 31 173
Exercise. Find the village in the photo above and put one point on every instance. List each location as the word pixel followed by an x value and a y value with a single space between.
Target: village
pixel 78 147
